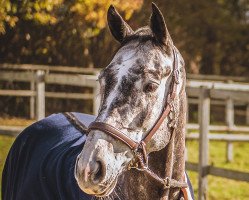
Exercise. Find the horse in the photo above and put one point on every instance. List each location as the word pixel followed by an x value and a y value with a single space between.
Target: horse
pixel 133 149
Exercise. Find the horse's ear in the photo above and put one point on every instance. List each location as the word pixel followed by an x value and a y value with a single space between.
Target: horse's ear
pixel 118 27
pixel 158 25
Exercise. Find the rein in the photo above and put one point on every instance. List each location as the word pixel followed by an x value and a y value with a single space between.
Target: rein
pixel 140 161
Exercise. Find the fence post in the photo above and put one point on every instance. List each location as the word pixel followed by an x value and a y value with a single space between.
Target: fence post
pixel 230 124
pixel 40 95
pixel 204 120
pixel 32 98
pixel 187 120
pixel 247 114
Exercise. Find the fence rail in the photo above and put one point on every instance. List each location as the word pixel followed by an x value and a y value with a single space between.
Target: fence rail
pixel 15 130
pixel 200 90
pixel 32 67
pixel 222 91
pixel 220 172
pixel 81 70
pixel 11 130
pixel 220 128
pixel 221 137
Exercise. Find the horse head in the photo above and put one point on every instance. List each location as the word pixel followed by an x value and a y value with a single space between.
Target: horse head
pixel 134 88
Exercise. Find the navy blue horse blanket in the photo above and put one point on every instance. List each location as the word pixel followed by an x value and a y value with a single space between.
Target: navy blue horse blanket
pixel 53 143
pixel 40 164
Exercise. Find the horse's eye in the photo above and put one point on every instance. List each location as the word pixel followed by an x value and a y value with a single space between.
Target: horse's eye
pixel 150 87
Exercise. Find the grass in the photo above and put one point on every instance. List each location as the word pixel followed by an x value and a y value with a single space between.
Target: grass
pixel 7 141
pixel 15 121
pixel 221 188
pixel 218 188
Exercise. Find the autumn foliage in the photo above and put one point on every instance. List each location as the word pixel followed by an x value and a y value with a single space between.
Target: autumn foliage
pixel 213 36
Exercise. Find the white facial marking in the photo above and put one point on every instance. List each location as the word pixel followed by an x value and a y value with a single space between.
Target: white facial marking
pixel 128 59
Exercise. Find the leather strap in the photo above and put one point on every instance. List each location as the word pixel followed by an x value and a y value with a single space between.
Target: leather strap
pixel 157 124
pixel 77 124
pixel 169 100
pixel 114 132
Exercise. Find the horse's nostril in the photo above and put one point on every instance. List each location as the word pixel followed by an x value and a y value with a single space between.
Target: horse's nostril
pixel 97 172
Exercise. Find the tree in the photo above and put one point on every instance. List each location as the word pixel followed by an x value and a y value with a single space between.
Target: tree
pixel 213 35
pixel 56 32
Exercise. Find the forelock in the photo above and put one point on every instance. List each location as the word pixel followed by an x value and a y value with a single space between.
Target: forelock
pixel 143 35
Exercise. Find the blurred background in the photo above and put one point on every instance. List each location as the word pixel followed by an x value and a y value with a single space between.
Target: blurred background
pixel 213 35
pixel 72 38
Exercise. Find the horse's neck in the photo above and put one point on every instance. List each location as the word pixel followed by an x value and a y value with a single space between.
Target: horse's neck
pixel 137 185
pixel 167 162
pixel 176 167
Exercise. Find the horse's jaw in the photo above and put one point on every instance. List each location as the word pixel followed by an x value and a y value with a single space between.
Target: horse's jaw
pixel 137 185
pixel 168 162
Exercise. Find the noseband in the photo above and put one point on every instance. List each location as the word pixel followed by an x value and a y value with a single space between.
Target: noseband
pixel 140 161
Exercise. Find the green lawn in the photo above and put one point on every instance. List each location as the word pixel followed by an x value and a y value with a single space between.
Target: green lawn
pixel 5 143
pixel 221 188
pixel 218 188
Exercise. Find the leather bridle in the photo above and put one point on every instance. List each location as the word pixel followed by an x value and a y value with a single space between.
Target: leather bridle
pixel 140 161
pixel 168 106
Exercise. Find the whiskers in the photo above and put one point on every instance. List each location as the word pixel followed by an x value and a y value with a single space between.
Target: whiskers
pixel 117 194
pixel 101 198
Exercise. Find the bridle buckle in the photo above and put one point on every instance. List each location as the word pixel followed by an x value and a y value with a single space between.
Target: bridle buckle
pixel 166 182
pixel 140 161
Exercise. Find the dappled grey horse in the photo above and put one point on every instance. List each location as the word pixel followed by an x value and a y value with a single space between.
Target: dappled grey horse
pixel 142 112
